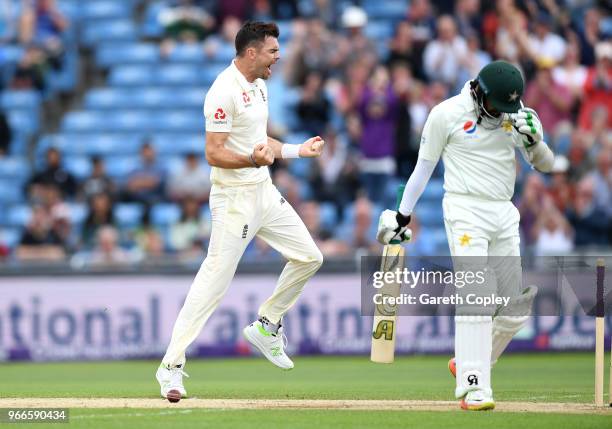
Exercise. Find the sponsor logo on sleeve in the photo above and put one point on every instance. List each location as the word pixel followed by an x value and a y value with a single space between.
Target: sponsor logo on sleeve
pixel 220 117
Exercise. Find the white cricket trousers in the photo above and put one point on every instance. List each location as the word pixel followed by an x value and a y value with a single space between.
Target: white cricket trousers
pixel 482 234
pixel 239 213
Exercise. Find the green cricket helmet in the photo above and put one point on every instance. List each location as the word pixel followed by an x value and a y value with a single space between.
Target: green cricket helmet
pixel 502 85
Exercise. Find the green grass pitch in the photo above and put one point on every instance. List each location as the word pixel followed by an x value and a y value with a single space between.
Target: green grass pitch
pixel 534 378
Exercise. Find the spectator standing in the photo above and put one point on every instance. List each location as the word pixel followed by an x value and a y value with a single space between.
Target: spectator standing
pixel 43 25
pixel 402 50
pixel 313 109
pixel 552 101
pixel 543 45
pixel 598 87
pixel 442 56
pixel 378 111
pixel 570 73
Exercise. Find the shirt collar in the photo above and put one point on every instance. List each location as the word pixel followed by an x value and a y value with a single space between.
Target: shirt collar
pixel 244 83
pixel 466 97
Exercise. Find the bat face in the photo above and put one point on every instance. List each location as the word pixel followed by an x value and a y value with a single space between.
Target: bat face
pixel 385 315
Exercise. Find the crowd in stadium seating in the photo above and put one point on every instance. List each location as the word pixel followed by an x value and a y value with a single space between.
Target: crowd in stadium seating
pixel 123 180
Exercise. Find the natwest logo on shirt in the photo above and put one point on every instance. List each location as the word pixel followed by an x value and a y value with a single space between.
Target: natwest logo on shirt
pixel 220 114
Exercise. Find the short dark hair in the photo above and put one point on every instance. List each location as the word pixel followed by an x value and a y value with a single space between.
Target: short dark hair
pixel 254 32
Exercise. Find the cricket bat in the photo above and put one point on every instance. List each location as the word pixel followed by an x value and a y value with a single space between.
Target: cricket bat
pixel 385 316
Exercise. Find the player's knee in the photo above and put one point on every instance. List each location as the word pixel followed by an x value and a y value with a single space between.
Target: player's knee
pixel 317 258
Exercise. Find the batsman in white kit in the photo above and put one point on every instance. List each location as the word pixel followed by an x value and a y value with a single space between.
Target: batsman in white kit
pixel 476 134
pixel 244 203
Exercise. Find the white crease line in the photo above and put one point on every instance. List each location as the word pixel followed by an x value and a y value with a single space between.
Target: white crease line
pixel 160 413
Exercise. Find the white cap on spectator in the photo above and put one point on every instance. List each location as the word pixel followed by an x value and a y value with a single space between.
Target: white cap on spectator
pixel 354 17
pixel 560 164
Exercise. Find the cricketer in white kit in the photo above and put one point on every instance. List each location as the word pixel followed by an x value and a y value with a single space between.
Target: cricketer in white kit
pixel 244 203
pixel 476 134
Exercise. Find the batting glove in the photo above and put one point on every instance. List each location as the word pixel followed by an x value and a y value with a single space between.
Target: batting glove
pixel 527 123
pixel 393 227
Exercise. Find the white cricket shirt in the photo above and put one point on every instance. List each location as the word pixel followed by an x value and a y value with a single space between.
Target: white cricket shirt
pixel 477 162
pixel 235 106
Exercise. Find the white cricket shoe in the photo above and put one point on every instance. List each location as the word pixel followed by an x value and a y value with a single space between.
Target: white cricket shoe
pixel 171 382
pixel 477 400
pixel 270 345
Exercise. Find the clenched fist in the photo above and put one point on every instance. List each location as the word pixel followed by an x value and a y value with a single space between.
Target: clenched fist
pixel 263 155
pixel 312 147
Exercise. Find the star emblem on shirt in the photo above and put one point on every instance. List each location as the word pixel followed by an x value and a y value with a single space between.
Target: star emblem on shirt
pixel 464 240
pixel 513 96
pixel 507 126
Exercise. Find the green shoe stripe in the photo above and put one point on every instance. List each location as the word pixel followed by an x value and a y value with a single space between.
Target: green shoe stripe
pixel 262 331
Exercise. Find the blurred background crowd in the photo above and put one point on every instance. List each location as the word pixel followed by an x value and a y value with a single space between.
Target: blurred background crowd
pixel 102 135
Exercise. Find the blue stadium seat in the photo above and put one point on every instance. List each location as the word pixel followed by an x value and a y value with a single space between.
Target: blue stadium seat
pixel 109 31
pixel 224 54
pixel 379 30
pixel 148 97
pixel 434 191
pixel 20 99
pixel 66 79
pixel 84 121
pixel 179 121
pixel 284 28
pixel 165 214
pixel 430 214
pixel 151 26
pixel 14 168
pixel 440 243
pixel 79 166
pixel 10 237
pixel 107 98
pixel 24 121
pixel 388 9
pixel 175 74
pixel 329 216
pixel 18 215
pixel 78 213
pixel 128 215
pixel 187 53
pixel 101 9
pixel 109 54
pixel 176 144
pixel 209 72
pixel 19 145
pixel 10 54
pixel 189 97
pixel 132 75
pixel 119 167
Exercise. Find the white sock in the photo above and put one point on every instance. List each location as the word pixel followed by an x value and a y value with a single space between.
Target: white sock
pixel 473 354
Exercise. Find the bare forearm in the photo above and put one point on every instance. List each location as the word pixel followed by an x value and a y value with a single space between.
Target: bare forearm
pixel 225 158
pixel 276 146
